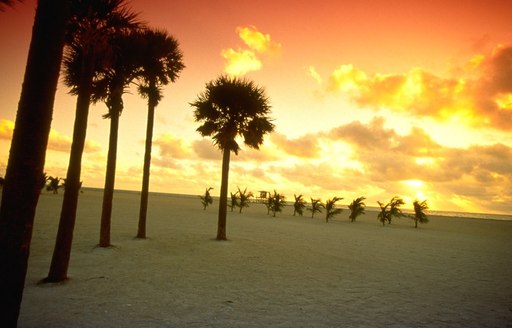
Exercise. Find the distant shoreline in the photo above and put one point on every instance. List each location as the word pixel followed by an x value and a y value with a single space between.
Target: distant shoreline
pixel 465 215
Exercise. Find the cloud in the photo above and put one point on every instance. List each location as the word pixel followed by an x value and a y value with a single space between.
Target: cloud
pixel 257 41
pixel 241 61
pixel 6 128
pixel 172 147
pixel 305 146
pixel 480 95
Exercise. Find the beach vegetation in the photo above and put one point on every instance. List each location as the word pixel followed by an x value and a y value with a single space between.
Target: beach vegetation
pixel 160 64
pixel 316 206
pixel 299 205
pixel 244 198
pixel 234 200
pixel 419 212
pixel 206 199
pixel 228 109
pixel 357 207
pixel 277 203
pixel 54 184
pixel 390 210
pixel 330 208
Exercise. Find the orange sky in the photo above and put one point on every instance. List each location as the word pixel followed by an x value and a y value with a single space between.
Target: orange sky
pixel 371 98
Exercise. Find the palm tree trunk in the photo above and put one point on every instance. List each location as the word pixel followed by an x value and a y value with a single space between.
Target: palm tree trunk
pixel 223 201
pixel 141 233
pixel 22 184
pixel 62 251
pixel 110 177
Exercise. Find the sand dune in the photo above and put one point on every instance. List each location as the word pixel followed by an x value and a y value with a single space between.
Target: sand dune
pixel 273 272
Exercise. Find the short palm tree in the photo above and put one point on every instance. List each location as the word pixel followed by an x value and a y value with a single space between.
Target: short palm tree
pixel 232 107
pixel 160 63
pixel 207 198
pixel 244 197
pixel 299 205
pixel 278 202
pixel 54 183
pixel 330 208
pixel 419 212
pixel 316 206
pixel 356 208
pixel 390 210
pixel 234 200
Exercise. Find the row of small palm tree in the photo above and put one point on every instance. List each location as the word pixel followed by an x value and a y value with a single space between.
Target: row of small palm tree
pixel 392 210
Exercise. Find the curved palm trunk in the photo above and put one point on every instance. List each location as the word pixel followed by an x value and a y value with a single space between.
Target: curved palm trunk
pixel 62 251
pixel 223 202
pixel 141 232
pixel 25 166
pixel 110 177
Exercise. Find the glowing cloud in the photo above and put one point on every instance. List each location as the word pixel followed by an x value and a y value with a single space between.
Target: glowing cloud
pixel 241 61
pixel 479 96
pixel 256 40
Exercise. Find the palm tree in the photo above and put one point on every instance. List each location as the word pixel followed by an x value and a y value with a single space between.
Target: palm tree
pixel 232 107
pixel 244 198
pixel 269 202
pixel 356 208
pixel 277 203
pixel 121 72
pixel 419 212
pixel 390 210
pixel 28 151
pixel 161 62
pixel 330 208
pixel 234 200
pixel 207 198
pixel 92 26
pixel 316 206
pixel 299 205
pixel 53 184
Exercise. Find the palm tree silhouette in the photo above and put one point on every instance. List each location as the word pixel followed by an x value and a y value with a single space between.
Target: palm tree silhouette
pixel 234 201
pixel 161 63
pixel 232 107
pixel 316 206
pixel 277 203
pixel 120 73
pixel 390 210
pixel 92 25
pixel 356 208
pixel 419 212
pixel 330 208
pixel 207 198
pixel 299 205
pixel 244 198
pixel 28 151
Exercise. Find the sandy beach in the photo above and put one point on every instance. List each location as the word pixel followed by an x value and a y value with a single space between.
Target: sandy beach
pixel 282 271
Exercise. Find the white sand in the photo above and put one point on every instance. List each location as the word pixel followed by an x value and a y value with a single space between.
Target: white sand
pixel 274 272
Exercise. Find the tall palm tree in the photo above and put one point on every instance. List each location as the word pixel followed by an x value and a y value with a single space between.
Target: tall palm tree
pixel 120 73
pixel 356 208
pixel 161 63
pixel 419 212
pixel 232 107
pixel 28 151
pixel 93 24
pixel 330 208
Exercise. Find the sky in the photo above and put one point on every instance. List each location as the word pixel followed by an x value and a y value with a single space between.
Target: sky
pixel 369 98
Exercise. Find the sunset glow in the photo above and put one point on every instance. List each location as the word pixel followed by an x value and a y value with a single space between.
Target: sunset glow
pixel 411 99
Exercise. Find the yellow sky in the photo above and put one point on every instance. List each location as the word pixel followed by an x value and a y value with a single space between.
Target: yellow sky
pixel 373 99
